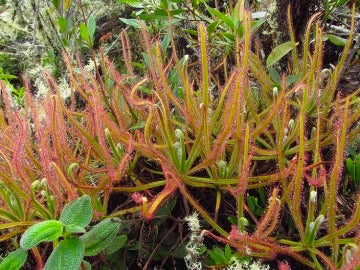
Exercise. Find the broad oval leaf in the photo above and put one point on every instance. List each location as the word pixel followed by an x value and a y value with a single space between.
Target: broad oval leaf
pixel 132 3
pixel 224 18
pixel 91 26
pixel 100 236
pixel 68 255
pixel 56 3
pixel 63 24
pixel 131 22
pixel 350 167
pixel 78 212
pixel 47 230
pixel 279 52
pixel 117 243
pixel 336 40
pixel 15 260
pixel 84 32
pixel 71 229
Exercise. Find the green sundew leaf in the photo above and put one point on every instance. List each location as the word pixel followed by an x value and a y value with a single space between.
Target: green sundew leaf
pixel 336 40
pixel 91 26
pixel 131 22
pixel 232 220
pixel 78 212
pixel 16 206
pixel 15 260
pixel 100 236
pixel 47 230
pixel 279 52
pixel 5 215
pixel 84 32
pixel 117 243
pixel 217 14
pixel 67 255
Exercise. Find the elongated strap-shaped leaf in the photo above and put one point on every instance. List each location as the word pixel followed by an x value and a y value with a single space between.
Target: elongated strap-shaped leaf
pixel 78 212
pixel 15 260
pixel 279 52
pixel 100 236
pixel 47 230
pixel 68 255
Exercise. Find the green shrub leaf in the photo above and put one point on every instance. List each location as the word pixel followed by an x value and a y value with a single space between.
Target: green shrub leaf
pixel 91 26
pixel 84 32
pixel 117 243
pixel 68 255
pixel 131 22
pixel 100 236
pixel 350 167
pixel 78 212
pixel 63 25
pixel 217 14
pixel 15 260
pixel 70 229
pixel 278 52
pixel 47 230
pixel 336 40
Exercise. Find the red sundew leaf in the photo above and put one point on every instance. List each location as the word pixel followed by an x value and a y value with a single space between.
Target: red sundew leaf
pixel 169 189
pixel 318 182
pixel 284 265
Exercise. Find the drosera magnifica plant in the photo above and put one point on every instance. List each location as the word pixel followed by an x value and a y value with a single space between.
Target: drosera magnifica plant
pixel 233 132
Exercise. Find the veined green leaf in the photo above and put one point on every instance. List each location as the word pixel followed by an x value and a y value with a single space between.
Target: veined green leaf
pixel 47 230
pixel 68 255
pixel 100 236
pixel 56 3
pixel 15 260
pixel 336 40
pixel 217 14
pixel 91 26
pixel 62 23
pixel 71 229
pixel 278 52
pixel 117 243
pixel 132 3
pixel 350 167
pixel 132 22
pixel 78 212
pixel 84 32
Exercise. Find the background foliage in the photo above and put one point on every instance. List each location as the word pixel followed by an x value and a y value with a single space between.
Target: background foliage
pixel 187 110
